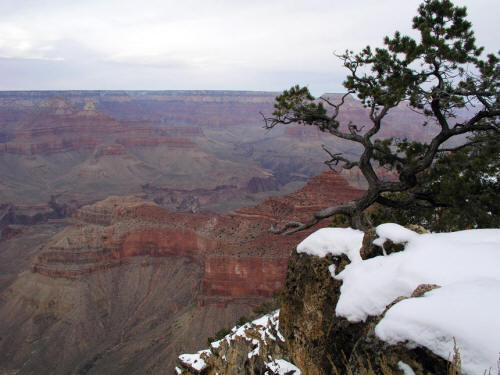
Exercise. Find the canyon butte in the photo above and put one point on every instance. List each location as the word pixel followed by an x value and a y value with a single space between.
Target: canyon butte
pixel 134 225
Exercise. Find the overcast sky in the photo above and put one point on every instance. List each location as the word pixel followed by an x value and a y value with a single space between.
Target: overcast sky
pixel 200 44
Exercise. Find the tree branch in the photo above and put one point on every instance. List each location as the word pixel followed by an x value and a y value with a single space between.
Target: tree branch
pixel 336 158
pixel 346 209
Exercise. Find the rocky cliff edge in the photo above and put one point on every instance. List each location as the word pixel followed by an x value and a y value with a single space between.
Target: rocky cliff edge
pixel 389 301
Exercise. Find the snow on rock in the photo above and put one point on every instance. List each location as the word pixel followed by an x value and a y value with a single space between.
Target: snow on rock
pixel 335 241
pixel 407 370
pixel 466 266
pixel 467 311
pixel 395 232
pixel 441 258
pixel 282 367
pixel 264 325
pixel 195 360
pixel 257 341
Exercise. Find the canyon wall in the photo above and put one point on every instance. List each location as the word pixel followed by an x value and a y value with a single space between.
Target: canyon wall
pixel 127 285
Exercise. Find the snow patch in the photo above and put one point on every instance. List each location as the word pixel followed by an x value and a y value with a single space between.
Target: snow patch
pixel 266 327
pixel 216 344
pixel 440 258
pixel 395 232
pixel 467 311
pixel 195 360
pixel 335 241
pixel 407 370
pixel 466 307
pixel 282 367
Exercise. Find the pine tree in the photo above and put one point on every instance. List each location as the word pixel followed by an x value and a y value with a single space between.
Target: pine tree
pixel 438 74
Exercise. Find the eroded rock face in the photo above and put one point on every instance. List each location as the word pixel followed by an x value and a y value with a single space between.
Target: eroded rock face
pixel 312 337
pixel 319 342
pixel 260 184
pixel 315 338
pixel 326 187
pixel 155 283
pixel 239 256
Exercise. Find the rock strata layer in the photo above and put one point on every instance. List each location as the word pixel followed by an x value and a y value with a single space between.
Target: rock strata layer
pixel 126 285
pixel 239 257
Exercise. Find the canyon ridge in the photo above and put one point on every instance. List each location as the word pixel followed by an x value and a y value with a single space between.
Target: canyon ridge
pixel 134 224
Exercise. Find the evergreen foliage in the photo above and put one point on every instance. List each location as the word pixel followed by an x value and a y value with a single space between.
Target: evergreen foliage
pixel 444 76
pixel 465 183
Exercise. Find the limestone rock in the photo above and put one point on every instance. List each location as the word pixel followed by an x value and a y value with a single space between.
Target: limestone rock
pixel 315 338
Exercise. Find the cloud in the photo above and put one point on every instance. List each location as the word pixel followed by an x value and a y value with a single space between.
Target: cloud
pixel 221 44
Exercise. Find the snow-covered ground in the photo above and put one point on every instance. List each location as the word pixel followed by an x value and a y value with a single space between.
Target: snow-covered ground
pixel 195 360
pixel 266 327
pixel 466 307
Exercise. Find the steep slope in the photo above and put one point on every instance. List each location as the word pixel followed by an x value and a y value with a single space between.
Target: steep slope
pixel 127 285
pixel 388 301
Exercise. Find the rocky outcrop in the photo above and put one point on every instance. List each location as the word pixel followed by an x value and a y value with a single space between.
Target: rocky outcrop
pixel 319 342
pixel 240 258
pixel 312 336
pixel 327 188
pixel 253 348
pixel 106 234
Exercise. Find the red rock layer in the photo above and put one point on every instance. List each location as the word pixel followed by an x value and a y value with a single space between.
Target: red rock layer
pixel 241 258
pixel 326 189
pixel 243 276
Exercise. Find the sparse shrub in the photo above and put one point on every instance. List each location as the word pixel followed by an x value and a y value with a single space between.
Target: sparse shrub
pixel 242 321
pixel 268 307
pixel 340 221
pixel 455 365
pixel 221 333
pixel 263 309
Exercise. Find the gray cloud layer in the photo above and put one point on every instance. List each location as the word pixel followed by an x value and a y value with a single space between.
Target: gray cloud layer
pixel 255 45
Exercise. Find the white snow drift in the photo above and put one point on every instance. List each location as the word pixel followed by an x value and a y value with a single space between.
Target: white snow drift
pixel 465 264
